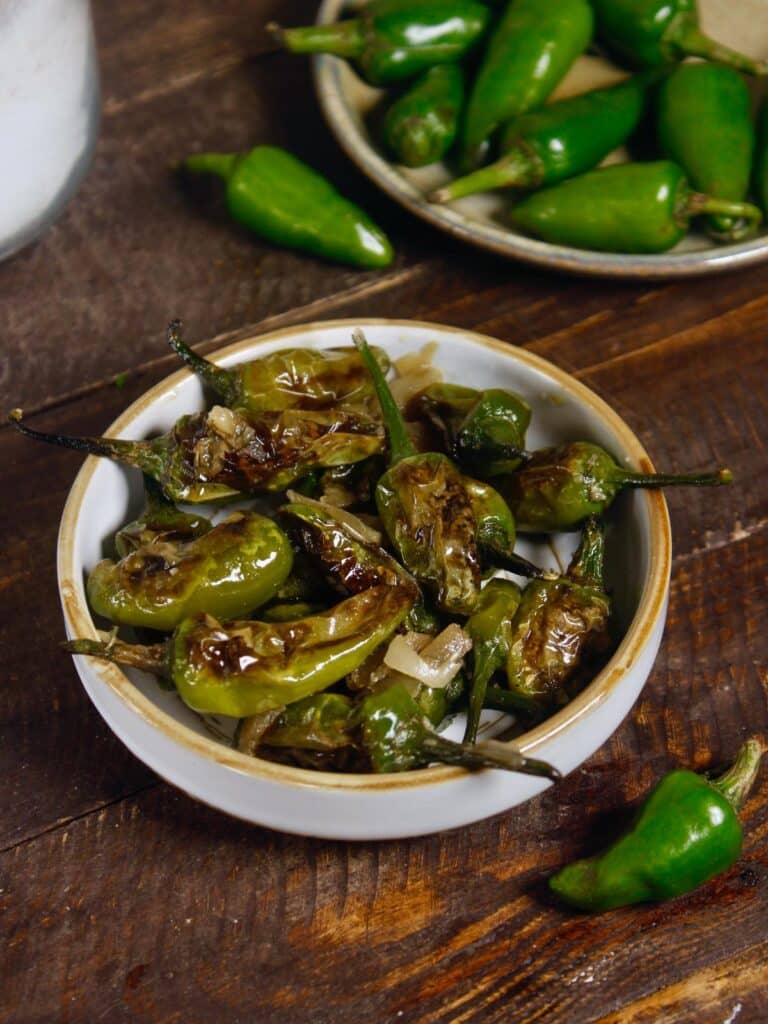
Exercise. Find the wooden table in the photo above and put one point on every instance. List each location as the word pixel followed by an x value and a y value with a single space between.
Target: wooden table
pixel 120 898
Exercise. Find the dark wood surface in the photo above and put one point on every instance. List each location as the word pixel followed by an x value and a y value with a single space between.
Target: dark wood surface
pixel 120 898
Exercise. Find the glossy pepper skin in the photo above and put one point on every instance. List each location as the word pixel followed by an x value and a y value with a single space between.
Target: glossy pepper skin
pixel 320 723
pixel 228 571
pixel 392 40
pixel 483 430
pixel 647 33
pixel 557 624
pixel 290 378
pixel 705 126
pixel 528 53
pixel 559 140
pixel 421 125
pixel 244 668
pixel 686 832
pixel 558 488
pixel 633 208
pixel 224 453
pixel 160 520
pixel 281 199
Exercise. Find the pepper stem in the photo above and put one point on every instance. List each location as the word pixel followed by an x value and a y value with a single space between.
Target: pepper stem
pixel 487 754
pixel 688 39
pixel 587 562
pixel 400 444
pixel 220 380
pixel 152 658
pixel 736 783
pixel 499 699
pixel 630 479
pixel 485 666
pixel 221 164
pixel 747 215
pixel 519 167
pixel 342 38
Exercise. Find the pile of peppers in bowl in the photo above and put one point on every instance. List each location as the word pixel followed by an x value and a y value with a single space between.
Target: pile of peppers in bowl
pixel 371 595
pixel 470 81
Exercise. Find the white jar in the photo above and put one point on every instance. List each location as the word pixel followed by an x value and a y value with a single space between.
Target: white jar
pixel 49 112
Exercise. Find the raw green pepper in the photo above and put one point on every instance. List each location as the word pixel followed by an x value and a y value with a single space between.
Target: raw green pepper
pixel 228 571
pixel 161 520
pixel 559 487
pixel 633 208
pixel 394 39
pixel 761 158
pixel 705 125
pixel 224 453
pixel 558 141
pixel 651 32
pixel 557 624
pixel 244 668
pixel 308 378
pixel 686 832
pixel 490 627
pixel 421 125
pixel 529 51
pixel 278 197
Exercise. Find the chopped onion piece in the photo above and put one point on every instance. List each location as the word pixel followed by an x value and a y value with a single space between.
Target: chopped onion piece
pixel 356 526
pixel 436 663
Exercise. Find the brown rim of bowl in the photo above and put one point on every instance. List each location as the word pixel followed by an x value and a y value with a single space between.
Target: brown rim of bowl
pixel 340 118
pixel 650 608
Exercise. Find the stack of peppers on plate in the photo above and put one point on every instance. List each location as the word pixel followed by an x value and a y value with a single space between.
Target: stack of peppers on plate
pixel 371 596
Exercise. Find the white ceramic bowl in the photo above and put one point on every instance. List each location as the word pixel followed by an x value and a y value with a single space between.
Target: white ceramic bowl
pixel 189 752
pixel 346 101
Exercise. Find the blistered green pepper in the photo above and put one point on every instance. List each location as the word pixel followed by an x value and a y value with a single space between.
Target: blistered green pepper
pixel 321 722
pixel 559 487
pixel 224 453
pixel 686 832
pixel 244 668
pixel 421 125
pixel 279 198
pixel 705 125
pixel 391 40
pixel 633 208
pixel 289 378
pixel 228 571
pixel 557 624
pixel 160 520
pixel 529 51
pixel 651 32
pixel 490 627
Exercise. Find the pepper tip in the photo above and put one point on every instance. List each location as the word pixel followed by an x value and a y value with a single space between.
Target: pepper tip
pixel 725 476
pixel 15 416
pixel 440 195
pixel 276 31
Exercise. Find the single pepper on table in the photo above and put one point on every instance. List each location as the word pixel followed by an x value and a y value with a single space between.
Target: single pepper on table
pixel 686 832
pixel 421 125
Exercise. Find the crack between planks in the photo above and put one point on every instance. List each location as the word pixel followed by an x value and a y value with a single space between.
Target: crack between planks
pixel 739 536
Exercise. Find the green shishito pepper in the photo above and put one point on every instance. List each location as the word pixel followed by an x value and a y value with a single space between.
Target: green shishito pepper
pixel 632 208
pixel 278 197
pixel 647 33
pixel 160 520
pixel 438 520
pixel 558 488
pixel 421 125
pixel 490 627
pixel 558 141
pixel 705 125
pixel 529 51
pixel 391 40
pixel 228 571
pixel 761 158
pixel 245 668
pixel 484 430
pixel 286 379
pixel 686 832
pixel 224 453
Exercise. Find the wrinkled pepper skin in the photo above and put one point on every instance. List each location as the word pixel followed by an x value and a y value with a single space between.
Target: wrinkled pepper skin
pixel 558 141
pixel 647 33
pixel 558 488
pixel 705 125
pixel 421 125
pixel 289 378
pixel 320 722
pixel 529 52
pixel 159 521
pixel 230 570
pixel 686 832
pixel 281 199
pixel 392 40
pixel 632 208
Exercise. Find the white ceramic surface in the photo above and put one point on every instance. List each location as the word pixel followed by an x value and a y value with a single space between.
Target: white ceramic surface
pixel 187 751
pixel 346 101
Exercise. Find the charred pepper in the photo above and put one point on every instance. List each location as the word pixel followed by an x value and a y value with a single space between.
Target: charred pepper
pixel 160 520
pixel 394 39
pixel 686 832
pixel 421 125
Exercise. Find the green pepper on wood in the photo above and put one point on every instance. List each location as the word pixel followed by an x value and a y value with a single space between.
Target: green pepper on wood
pixel 421 125
pixel 686 832
pixel 391 40
pixel 278 197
